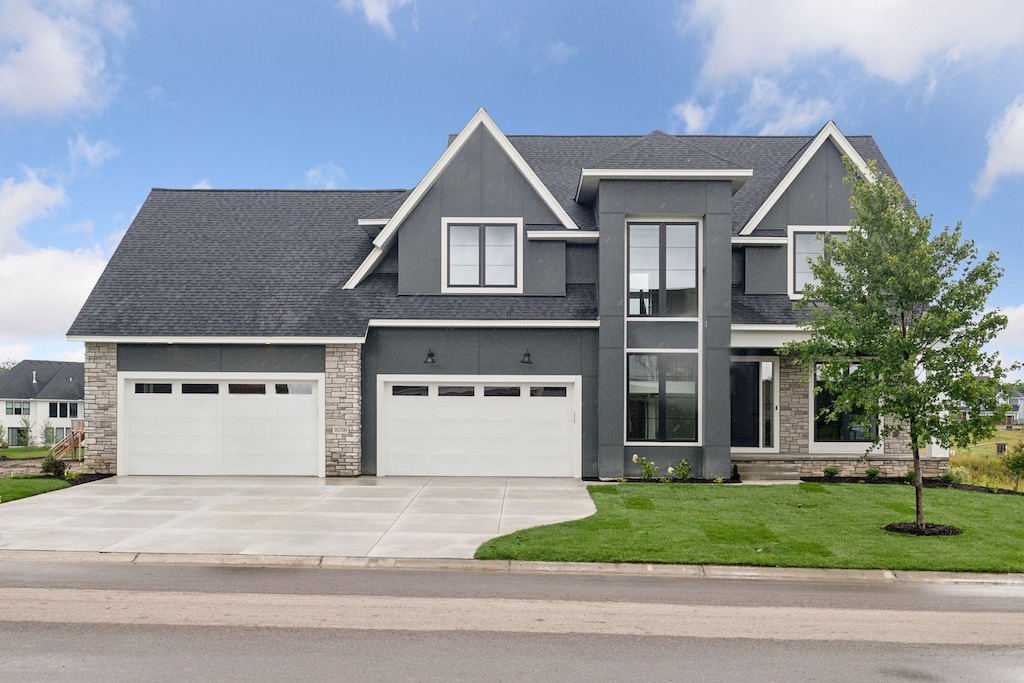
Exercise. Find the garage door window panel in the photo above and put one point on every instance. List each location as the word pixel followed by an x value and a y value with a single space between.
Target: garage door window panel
pixel 188 388
pixel 456 391
pixel 294 388
pixel 244 389
pixel 548 392
pixel 502 391
pixel 409 390
pixel 152 387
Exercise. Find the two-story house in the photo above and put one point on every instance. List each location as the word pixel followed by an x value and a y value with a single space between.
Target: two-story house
pixel 535 306
pixel 40 401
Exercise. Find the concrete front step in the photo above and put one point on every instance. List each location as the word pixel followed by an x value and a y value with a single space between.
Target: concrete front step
pixel 761 471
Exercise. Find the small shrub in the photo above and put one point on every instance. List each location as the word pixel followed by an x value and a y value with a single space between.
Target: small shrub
pixel 910 476
pixel 681 470
pixel 1014 463
pixel 831 472
pixel 719 480
pixel 648 470
pixel 955 475
pixel 55 467
pixel 872 472
pixel 70 475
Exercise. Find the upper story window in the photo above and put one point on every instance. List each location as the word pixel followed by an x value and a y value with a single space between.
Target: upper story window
pixel 482 255
pixel 663 269
pixel 62 409
pixel 18 408
pixel 806 246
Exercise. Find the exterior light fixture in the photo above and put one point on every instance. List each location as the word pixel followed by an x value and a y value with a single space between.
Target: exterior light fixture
pixel 526 358
pixel 430 357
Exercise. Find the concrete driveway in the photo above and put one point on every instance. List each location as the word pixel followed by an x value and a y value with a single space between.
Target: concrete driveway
pixel 420 517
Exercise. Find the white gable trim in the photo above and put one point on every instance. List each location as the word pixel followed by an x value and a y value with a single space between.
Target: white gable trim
pixel 383 241
pixel 829 132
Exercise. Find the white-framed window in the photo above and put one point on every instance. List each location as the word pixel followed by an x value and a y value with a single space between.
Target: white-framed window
pixel 63 409
pixel 663 269
pixel 482 255
pixel 18 408
pixel 661 397
pixel 808 243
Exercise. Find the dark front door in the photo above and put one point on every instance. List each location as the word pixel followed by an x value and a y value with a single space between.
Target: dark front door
pixel 745 394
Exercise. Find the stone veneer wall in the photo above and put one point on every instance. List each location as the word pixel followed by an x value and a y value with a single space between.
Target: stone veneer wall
pixel 100 412
pixel 794 438
pixel 343 409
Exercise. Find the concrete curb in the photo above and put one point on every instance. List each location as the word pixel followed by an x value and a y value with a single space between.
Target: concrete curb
pixel 518 567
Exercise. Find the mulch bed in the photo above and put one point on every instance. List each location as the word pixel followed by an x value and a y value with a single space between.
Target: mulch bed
pixel 86 478
pixel 929 529
pixel 928 484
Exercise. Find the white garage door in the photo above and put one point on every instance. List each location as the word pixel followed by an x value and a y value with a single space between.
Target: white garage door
pixel 221 427
pixel 462 426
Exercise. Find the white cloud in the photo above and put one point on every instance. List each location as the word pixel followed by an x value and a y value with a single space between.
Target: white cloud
pixel 780 114
pixel 557 53
pixel 93 154
pixel 897 41
pixel 1005 149
pixel 377 12
pixel 22 201
pixel 52 54
pixel 15 352
pixel 46 288
pixel 203 184
pixel 695 118
pixel 1010 342
pixel 326 176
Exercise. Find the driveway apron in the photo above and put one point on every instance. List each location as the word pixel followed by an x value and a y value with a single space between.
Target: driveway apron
pixel 400 517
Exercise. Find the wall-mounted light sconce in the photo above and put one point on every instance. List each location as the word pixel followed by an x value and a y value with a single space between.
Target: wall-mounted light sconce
pixel 430 357
pixel 526 358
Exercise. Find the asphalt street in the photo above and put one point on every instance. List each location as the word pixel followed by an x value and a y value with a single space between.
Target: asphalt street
pixel 132 622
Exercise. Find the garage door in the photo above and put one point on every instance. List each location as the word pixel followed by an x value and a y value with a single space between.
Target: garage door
pixel 468 427
pixel 221 427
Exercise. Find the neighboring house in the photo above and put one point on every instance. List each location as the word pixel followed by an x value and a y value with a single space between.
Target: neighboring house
pixel 535 306
pixel 1015 416
pixel 48 394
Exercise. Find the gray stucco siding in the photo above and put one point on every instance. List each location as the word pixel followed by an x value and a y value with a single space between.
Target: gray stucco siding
pixel 483 352
pixel 481 181
pixel 817 196
pixel 220 358
pixel 709 201
pixel 766 270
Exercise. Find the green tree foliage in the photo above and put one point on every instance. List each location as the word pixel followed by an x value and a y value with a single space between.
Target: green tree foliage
pixel 910 307
pixel 7 364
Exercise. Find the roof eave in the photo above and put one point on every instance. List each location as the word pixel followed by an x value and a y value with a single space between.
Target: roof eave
pixel 590 178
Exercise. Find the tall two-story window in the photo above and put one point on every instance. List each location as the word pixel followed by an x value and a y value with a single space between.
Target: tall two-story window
pixel 807 246
pixel 663 269
pixel 662 397
pixel 481 253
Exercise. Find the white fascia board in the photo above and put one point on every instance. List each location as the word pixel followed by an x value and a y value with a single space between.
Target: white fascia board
pixel 216 340
pixel 762 241
pixel 481 118
pixel 372 221
pixel 486 323
pixel 829 132
pixel 589 177
pixel 766 336
pixel 562 236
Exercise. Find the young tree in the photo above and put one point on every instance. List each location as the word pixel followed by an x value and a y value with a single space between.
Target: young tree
pixel 7 365
pixel 909 308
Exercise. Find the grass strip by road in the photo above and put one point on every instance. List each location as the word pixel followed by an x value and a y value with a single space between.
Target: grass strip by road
pixel 808 525
pixel 13 488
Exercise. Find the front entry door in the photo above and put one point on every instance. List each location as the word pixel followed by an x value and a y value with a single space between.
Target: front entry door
pixel 752 394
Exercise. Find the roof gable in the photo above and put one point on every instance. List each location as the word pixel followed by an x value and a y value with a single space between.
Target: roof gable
pixel 830 132
pixel 384 240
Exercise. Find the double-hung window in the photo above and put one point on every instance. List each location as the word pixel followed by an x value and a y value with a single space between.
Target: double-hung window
pixel 663 269
pixel 806 247
pixel 481 254
pixel 662 397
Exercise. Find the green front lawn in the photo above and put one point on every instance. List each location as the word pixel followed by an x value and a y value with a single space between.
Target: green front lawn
pixel 808 525
pixel 13 488
pixel 24 453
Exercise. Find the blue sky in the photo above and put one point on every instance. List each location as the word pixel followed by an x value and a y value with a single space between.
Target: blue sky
pixel 101 100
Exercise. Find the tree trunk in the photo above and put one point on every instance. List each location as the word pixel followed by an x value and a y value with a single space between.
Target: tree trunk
pixel 918 488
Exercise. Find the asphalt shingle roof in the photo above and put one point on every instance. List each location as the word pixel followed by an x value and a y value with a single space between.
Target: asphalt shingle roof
pixel 55 380
pixel 273 262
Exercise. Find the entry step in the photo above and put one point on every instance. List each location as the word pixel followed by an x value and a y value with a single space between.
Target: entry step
pixel 768 471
